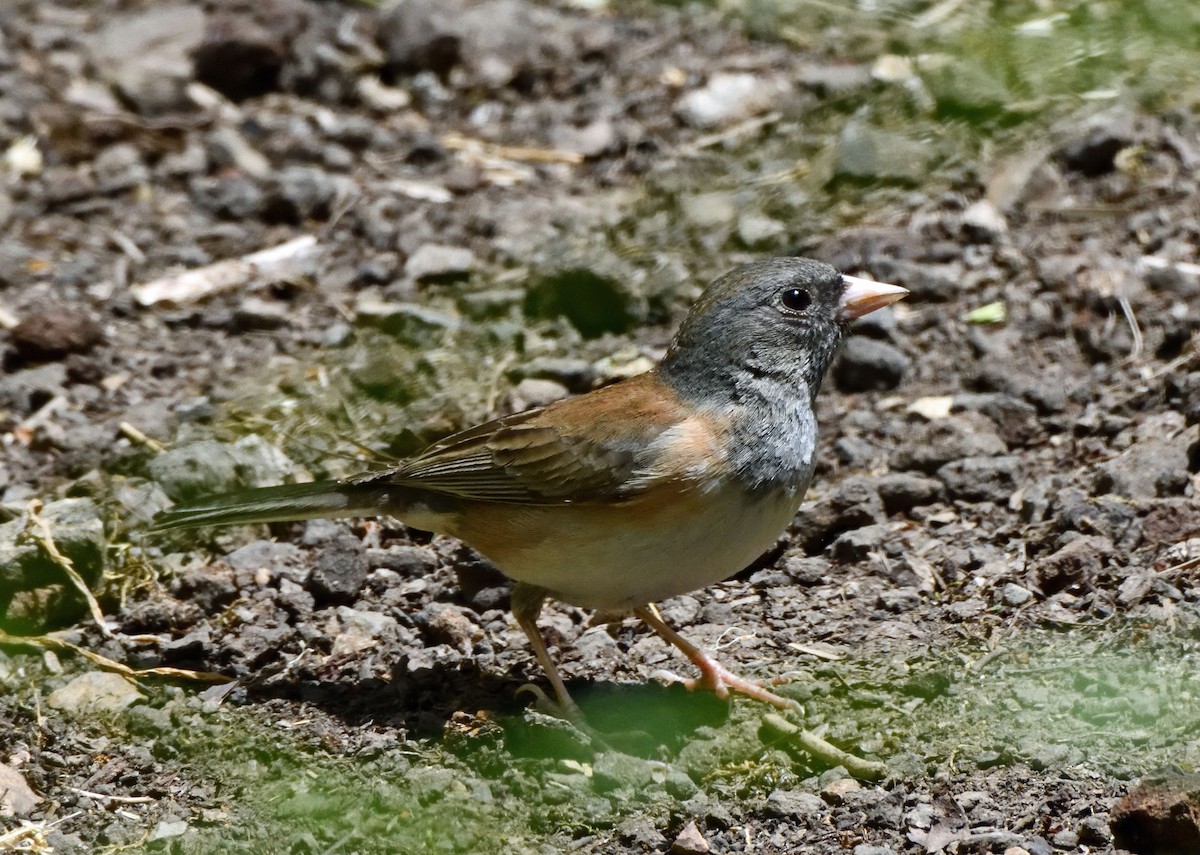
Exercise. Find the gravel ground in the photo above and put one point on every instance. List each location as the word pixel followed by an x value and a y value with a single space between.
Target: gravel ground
pixel 992 589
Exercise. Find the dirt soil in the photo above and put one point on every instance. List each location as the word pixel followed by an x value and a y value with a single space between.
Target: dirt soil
pixel 993 587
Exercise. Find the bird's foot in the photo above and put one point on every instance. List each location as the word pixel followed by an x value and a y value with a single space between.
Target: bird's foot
pixel 564 708
pixel 719 680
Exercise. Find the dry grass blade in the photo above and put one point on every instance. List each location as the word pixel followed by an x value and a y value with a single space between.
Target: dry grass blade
pixel 28 837
pixel 39 531
pixel 50 642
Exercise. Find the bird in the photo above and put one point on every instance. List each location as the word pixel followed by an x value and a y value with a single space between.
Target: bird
pixel 635 492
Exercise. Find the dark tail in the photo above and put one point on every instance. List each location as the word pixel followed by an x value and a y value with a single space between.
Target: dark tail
pixel 318 500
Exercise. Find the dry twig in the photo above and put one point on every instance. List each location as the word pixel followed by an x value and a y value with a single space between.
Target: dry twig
pixel 867 770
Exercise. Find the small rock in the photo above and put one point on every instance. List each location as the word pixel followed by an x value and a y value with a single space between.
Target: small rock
pixel 144 54
pixel 422 35
pixel 869 365
pixel 964 87
pixel 854 452
pixel 138 500
pixel 437 262
pixel 225 146
pixel 578 375
pixel 903 491
pixel 806 571
pixel 641 831
pixel 78 532
pixel 591 141
pixel 231 197
pixel 448 625
pixel 1065 839
pixel 1081 560
pixel 340 569
pixel 300 193
pixel 869 849
pixel 167 828
pixel 899 600
pixel 706 211
pixel 981 221
pixel 839 78
pixel 689 841
pixel 1039 846
pixel 411 323
pixel 1016 420
pixel 835 792
pixel 255 313
pixel 758 231
pixel 981 479
pixel 64 184
pixel 190 161
pixel 728 98
pixel 17 799
pixel 858 544
pixel 853 504
pixel 119 167
pixel 407 561
pixel 1093 831
pixel 1160 815
pixel 1094 146
pixel 1156 464
pixel 796 805
pixel 95 692
pixel 496 40
pixel 867 153
pixel 934 444
pixel 531 393
pixel 52 334
pixel 284 560
pixel 208 467
pixel 380 97
pixel 241 55
pixel 615 770
pixel 929 282
pixel 878 324
pixel 1014 595
pixel 1049 756
pixel 360 630
pixel 1171 521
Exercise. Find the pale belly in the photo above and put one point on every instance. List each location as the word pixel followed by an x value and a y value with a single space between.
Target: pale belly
pixel 629 555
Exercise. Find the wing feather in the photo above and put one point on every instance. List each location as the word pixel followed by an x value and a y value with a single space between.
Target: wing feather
pixel 605 445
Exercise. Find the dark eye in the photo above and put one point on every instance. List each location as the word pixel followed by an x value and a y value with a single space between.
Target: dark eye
pixel 795 299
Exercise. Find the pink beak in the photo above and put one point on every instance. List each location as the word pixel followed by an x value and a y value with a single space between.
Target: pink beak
pixel 862 296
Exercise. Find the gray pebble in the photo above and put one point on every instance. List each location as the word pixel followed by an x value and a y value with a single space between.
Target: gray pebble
pixel 932 445
pixel 1014 595
pixel 868 153
pixel 858 544
pixel 869 365
pixel 340 570
pixel 300 193
pixel 981 479
pixel 795 804
pixel 437 262
pixel 903 491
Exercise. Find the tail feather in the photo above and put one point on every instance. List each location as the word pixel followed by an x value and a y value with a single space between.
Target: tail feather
pixel 316 500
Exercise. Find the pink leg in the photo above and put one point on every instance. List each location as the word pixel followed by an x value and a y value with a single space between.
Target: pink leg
pixel 526 606
pixel 713 675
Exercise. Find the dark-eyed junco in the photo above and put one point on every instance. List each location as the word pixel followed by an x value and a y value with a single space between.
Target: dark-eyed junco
pixel 639 491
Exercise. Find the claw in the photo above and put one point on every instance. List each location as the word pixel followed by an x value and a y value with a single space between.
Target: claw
pixel 713 675
pixel 669 678
pixel 543 703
